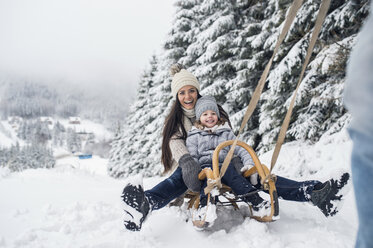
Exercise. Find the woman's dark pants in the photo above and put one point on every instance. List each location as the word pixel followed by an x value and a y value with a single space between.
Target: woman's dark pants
pixel 174 186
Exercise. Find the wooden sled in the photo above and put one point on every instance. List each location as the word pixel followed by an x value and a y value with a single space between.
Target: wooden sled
pixel 267 182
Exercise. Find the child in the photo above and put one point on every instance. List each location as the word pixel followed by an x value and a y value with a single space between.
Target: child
pixel 208 132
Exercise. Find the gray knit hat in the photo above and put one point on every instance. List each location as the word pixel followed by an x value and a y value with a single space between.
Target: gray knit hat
pixel 206 103
pixel 181 78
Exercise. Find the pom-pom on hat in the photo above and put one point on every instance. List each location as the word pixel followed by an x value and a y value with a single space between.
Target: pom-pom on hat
pixel 181 78
pixel 206 103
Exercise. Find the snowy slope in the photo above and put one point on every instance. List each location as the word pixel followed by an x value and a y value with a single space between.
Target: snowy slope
pixel 5 141
pixel 77 205
pixel 8 136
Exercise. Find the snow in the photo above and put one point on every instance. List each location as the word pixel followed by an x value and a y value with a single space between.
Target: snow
pixel 5 140
pixel 76 204
pixel 8 136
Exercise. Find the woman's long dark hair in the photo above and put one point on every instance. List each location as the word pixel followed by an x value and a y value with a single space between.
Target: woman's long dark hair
pixel 174 123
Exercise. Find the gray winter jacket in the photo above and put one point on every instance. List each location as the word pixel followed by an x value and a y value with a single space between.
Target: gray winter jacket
pixel 202 143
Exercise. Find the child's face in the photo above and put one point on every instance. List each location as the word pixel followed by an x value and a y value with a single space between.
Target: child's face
pixel 209 118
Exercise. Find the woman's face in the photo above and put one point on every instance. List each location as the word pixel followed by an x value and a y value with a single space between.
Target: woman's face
pixel 188 96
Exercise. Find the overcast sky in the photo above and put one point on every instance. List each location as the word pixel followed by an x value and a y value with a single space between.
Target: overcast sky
pixel 96 43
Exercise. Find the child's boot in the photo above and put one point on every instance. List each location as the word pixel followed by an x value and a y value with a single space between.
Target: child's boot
pixel 260 207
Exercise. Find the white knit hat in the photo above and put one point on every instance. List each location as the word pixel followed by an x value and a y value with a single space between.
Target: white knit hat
pixel 181 79
pixel 206 103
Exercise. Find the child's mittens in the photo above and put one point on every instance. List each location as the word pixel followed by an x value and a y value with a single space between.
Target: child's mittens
pixel 254 178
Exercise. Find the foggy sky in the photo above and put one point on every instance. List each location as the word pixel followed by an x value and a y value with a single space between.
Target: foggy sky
pixel 98 44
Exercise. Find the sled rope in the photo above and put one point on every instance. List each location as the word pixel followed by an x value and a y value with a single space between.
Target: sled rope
pixel 281 137
pixel 258 90
pixel 202 222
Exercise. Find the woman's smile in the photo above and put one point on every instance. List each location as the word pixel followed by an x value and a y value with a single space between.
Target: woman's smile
pixel 187 96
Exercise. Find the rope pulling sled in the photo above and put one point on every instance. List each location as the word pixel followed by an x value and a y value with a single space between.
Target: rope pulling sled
pixel 266 177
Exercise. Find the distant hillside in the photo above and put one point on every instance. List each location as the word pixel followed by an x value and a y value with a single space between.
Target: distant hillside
pixel 83 134
pixel 32 99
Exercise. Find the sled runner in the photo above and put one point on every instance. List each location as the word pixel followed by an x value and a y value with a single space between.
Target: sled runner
pixel 213 182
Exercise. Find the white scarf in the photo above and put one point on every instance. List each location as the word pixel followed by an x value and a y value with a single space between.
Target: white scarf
pixel 189 118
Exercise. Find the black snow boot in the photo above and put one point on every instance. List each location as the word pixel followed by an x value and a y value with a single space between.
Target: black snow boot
pixel 136 207
pixel 326 196
pixel 260 207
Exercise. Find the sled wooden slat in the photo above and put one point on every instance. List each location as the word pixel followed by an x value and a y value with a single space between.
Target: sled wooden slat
pixel 263 171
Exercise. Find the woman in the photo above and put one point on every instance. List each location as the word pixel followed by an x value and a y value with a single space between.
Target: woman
pixel 185 89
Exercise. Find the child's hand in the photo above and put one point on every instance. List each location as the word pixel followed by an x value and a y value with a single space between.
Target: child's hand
pixel 254 179
pixel 246 167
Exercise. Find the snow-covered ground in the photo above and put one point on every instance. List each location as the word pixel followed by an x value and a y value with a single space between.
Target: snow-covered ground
pixel 77 205
pixel 8 136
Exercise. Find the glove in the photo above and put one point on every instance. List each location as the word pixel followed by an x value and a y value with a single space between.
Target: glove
pixel 190 170
pixel 255 179
pixel 237 163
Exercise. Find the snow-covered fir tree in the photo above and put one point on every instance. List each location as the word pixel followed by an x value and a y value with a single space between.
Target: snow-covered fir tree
pixel 59 134
pixel 34 132
pixel 211 54
pixel 73 141
pixel 34 156
pixel 227 44
pixel 319 101
pixel 30 100
pixel 27 100
pixel 144 121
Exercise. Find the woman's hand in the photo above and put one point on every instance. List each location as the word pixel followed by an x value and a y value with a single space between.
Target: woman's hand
pixel 190 170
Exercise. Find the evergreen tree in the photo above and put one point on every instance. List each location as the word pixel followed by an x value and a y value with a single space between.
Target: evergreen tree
pixel 183 31
pixel 18 158
pixel 22 130
pixel 73 141
pixel 212 54
pixel 255 36
pixel 28 100
pixel 137 148
pixel 41 132
pixel 58 134
pixel 318 104
pixel 142 121
pixel 227 45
